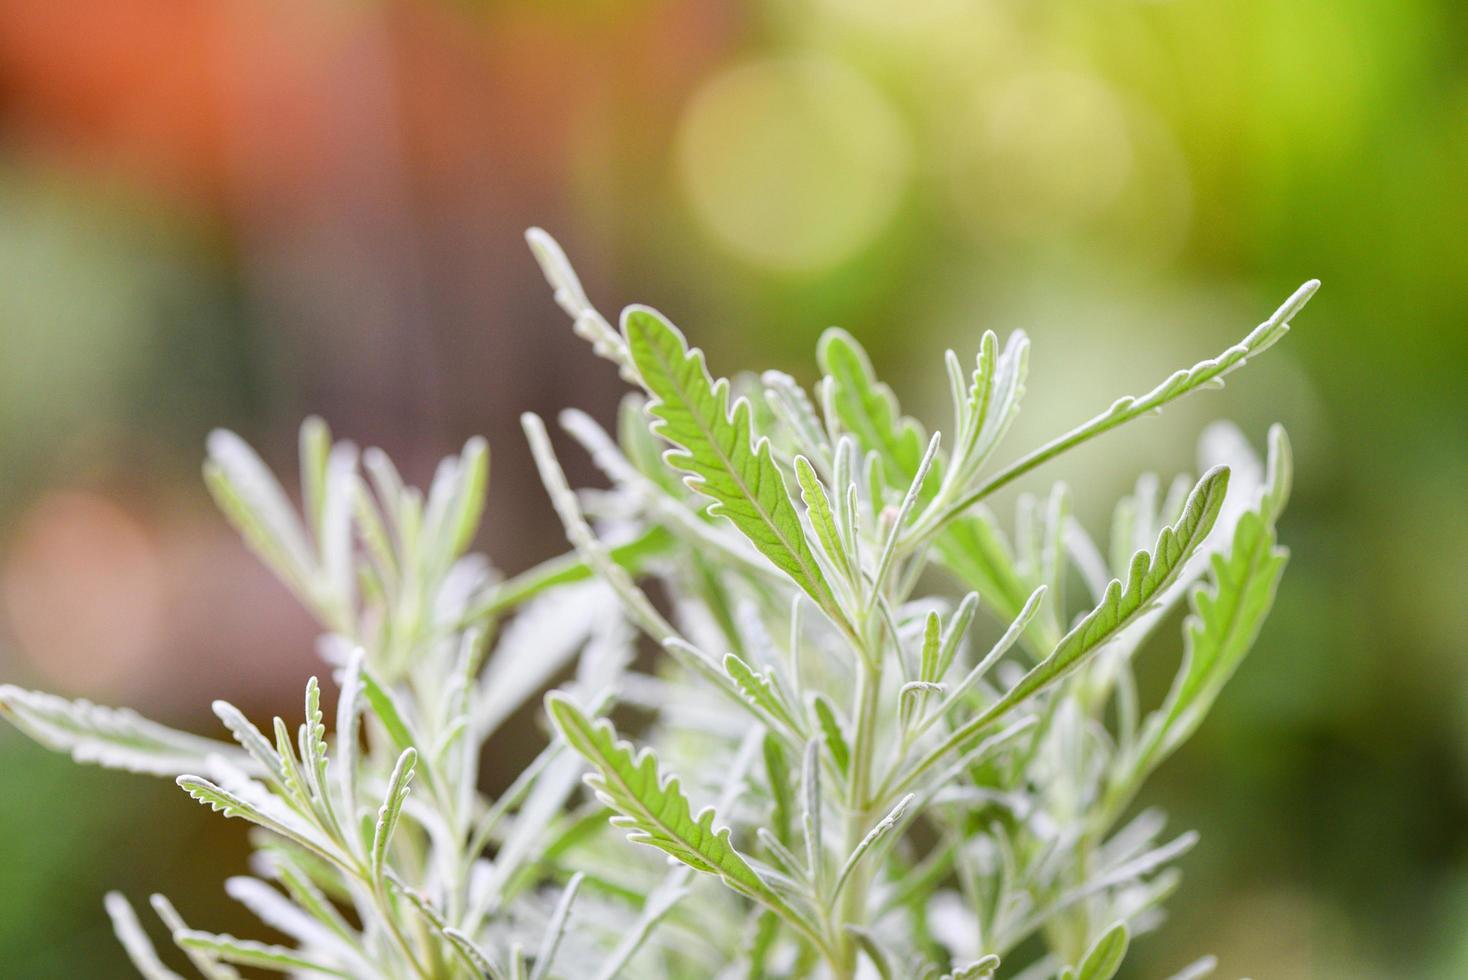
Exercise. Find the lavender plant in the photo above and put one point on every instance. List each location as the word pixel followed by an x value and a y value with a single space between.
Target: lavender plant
pixel 370 844
pixel 924 803
pixel 900 788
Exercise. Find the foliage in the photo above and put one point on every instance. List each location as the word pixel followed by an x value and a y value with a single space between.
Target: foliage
pixel 373 842
pixel 894 791
pixel 962 815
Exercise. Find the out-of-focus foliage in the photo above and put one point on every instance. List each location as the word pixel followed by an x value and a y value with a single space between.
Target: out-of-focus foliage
pixel 409 619
pixel 239 213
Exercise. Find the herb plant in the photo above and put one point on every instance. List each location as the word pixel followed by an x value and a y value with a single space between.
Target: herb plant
pixel 921 734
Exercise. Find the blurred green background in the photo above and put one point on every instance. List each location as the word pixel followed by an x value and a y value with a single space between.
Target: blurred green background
pixel 236 212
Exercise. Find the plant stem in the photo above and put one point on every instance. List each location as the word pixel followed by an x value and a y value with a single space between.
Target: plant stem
pixel 853 904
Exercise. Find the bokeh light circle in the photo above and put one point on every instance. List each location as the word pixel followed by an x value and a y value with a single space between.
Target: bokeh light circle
pixel 1043 152
pixel 793 163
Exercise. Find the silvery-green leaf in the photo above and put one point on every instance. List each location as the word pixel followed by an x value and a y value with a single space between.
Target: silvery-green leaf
pixel 398 785
pixel 205 963
pixel 308 897
pixel 879 830
pixel 117 738
pixel 832 731
pixel 571 297
pixel 1207 373
pixel 246 952
pixel 253 501
pixel 135 942
pixel 1105 956
pixel 792 406
pixel 868 410
pixel 651 806
pixel 1149 575
pixel 718 449
pixel 977 970
pixel 231 804
pixel 1227 614
pixel 281 914
pixel 548 632
pixel 555 929
pixel 762 690
pixel 1196 970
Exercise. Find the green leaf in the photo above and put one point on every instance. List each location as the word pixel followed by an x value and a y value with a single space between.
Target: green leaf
pixel 792 407
pixel 993 399
pixel 555 929
pixel 315 453
pixel 651 804
pixel 662 901
pixel 296 786
pixel 1150 574
pixel 652 808
pixel 253 501
pixel 928 659
pixel 247 952
pixel 231 805
pixel 385 707
pixel 470 951
pixel 764 693
pixel 392 808
pixel 1227 614
pixel 587 323
pixel 312 740
pixel 1204 374
pixel 135 942
pixel 880 959
pixel 868 410
pixel 977 970
pixel 1104 958
pixel 810 814
pixel 822 516
pixel 760 944
pixel 718 452
pixel 831 730
pixel 777 775
pixel 953 634
pixel 205 963
pixel 305 894
pixel 468 505
pixel 882 828
pixel 348 732
pixel 566 569
pixel 117 738
pixel 999 649
pixel 899 520
pixel 251 740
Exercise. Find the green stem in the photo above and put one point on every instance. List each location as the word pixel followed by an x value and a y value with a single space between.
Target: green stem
pixel 853 903
pixel 389 920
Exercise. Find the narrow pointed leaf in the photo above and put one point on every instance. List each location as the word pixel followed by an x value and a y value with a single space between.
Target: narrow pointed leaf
pixel 392 808
pixel 1104 958
pixel 117 738
pixel 246 952
pixel 1150 574
pixel 652 808
pixel 718 451
pixel 135 942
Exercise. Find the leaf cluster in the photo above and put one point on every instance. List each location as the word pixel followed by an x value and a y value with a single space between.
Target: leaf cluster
pixel 919 727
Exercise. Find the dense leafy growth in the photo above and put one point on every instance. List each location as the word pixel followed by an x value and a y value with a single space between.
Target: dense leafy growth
pixel 914 793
